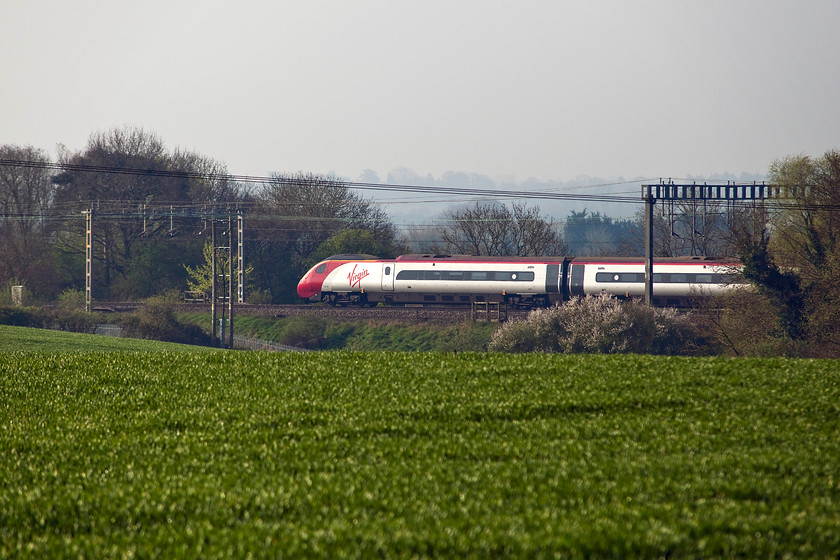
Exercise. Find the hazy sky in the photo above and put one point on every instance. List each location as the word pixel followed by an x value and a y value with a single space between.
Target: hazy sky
pixel 548 89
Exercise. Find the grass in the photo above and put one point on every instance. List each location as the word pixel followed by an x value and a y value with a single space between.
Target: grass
pixel 320 333
pixel 30 339
pixel 344 454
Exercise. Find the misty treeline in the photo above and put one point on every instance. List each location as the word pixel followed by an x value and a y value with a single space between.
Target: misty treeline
pixel 153 208
pixel 151 228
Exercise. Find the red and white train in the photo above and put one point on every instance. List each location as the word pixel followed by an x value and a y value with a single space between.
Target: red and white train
pixel 517 281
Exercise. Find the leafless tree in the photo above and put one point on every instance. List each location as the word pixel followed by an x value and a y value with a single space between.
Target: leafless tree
pixel 493 229
pixel 26 197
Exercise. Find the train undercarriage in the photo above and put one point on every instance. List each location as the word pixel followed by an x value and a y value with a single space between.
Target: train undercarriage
pixel 361 299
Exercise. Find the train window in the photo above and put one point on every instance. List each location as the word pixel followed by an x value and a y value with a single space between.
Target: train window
pixel 321 268
pixel 619 277
pixel 387 270
pixel 429 298
pixel 447 298
pixel 464 275
pixel 704 279
pixel 679 278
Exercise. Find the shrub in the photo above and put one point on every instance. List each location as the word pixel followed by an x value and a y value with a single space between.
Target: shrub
pixel 156 321
pixel 304 332
pixel 599 325
pixel 23 317
pixel 744 322
pixel 71 299
pixel 74 320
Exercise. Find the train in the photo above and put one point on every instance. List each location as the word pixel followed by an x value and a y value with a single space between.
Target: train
pixel 520 282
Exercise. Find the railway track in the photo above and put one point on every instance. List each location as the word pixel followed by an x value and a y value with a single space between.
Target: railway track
pixel 396 314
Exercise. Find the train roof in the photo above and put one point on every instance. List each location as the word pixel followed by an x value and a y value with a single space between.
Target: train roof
pixel 352 257
pixel 557 259
pixel 474 258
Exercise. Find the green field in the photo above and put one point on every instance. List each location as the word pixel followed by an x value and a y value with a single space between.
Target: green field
pixel 155 452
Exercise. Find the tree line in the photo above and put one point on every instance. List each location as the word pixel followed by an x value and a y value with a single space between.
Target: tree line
pixel 151 234
pixel 151 207
pixel 150 224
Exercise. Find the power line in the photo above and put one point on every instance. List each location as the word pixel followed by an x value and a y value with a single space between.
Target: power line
pixel 337 183
pixel 435 190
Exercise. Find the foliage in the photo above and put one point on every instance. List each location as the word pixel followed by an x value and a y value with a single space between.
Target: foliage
pixel 318 333
pixel 351 241
pixel 201 276
pixel 74 320
pixel 23 317
pixel 120 199
pixel 594 234
pixel 71 299
pixel 598 325
pixel 63 318
pixel 219 454
pixel 156 321
pixel 744 322
pixel 782 288
pixel 795 260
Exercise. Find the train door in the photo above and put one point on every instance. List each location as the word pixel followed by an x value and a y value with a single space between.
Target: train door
pixel 576 279
pixel 552 279
pixel 388 277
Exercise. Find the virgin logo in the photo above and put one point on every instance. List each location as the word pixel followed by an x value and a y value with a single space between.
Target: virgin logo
pixel 356 277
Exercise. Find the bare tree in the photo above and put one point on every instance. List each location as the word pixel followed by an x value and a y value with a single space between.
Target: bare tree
pixel 493 229
pixel 298 214
pixel 26 197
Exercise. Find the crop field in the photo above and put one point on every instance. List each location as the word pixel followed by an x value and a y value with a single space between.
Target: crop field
pixel 161 453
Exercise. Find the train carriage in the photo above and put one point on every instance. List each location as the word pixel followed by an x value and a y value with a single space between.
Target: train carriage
pixel 518 281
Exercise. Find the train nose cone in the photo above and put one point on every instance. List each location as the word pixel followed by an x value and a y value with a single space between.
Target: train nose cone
pixel 308 287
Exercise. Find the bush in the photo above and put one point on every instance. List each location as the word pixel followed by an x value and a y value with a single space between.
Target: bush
pixel 156 321
pixel 71 299
pixel 744 322
pixel 23 317
pixel 74 320
pixel 304 332
pixel 599 325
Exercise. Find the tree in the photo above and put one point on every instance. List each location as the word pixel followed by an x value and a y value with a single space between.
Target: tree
pixel 200 277
pixel 120 173
pixel 694 227
pixel 493 229
pixel 794 260
pixel 298 213
pixel 26 199
pixel 594 234
pixel 351 241
pixel 805 239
